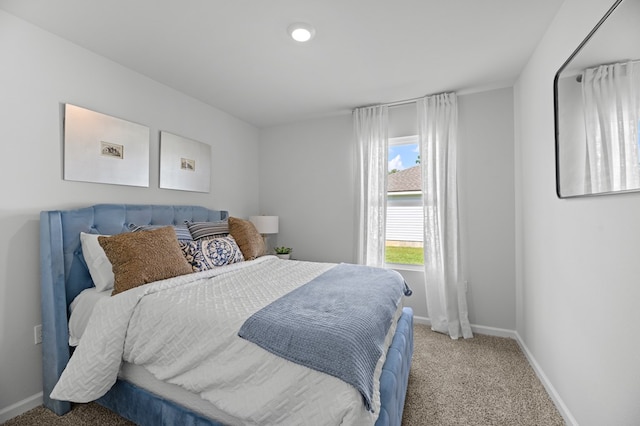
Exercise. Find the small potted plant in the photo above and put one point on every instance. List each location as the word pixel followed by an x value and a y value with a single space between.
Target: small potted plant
pixel 283 252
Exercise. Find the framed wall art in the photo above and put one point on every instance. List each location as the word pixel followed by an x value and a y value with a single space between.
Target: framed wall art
pixel 103 149
pixel 184 163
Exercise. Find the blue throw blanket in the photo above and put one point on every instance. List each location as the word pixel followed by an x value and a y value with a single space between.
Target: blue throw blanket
pixel 336 323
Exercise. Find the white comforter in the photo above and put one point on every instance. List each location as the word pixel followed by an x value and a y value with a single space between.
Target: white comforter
pixel 184 331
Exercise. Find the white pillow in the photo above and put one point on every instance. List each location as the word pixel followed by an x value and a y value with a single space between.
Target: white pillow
pixel 97 261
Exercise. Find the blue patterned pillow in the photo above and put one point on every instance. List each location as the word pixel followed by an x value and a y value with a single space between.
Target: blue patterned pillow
pixel 208 254
pixel 182 232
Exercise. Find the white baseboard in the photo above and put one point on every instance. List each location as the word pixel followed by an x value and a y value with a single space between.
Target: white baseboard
pixel 20 407
pixel 480 329
pixel 512 334
pixel 493 331
pixel 421 320
pixel 553 394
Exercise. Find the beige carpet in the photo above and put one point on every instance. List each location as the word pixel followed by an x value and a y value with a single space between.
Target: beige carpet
pixel 481 381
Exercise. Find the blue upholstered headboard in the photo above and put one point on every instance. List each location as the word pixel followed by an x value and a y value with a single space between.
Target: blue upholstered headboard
pixel 64 273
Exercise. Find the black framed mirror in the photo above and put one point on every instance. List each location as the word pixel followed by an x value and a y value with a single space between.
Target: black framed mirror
pixel 597 108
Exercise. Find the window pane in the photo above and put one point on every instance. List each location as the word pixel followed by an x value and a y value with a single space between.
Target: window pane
pixel 404 204
pixel 404 255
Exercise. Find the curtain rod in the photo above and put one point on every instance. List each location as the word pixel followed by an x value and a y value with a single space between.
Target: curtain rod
pixel 404 102
pixel 498 85
pixel 632 61
pixel 391 104
pixel 400 103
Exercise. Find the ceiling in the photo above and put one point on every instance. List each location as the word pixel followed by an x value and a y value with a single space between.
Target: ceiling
pixel 236 56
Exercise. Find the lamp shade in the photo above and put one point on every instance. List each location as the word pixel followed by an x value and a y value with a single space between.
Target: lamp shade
pixel 265 224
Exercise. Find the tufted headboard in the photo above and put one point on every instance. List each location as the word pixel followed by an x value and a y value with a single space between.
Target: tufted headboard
pixel 64 273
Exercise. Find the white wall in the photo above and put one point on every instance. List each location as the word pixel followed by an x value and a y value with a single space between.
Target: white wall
pixel 488 205
pixel 307 177
pixel 577 259
pixel 39 72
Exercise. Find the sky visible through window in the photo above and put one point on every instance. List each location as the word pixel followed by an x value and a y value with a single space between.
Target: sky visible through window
pixel 402 156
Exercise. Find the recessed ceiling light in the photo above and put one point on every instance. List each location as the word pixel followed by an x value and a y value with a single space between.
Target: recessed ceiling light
pixel 301 31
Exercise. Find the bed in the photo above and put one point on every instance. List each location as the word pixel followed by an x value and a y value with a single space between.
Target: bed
pixel 64 275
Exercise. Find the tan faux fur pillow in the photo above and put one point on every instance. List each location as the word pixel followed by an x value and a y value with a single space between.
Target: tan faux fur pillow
pixel 143 257
pixel 248 238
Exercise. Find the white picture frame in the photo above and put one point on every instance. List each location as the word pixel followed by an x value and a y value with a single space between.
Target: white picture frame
pixel 185 164
pixel 99 148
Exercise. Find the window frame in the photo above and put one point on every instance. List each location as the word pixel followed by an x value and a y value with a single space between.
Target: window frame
pixel 403 140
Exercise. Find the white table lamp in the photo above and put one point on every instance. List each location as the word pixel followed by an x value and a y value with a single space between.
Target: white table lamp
pixel 265 225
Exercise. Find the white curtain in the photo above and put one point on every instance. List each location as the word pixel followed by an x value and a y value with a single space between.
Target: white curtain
pixel 445 289
pixel 370 125
pixel 611 96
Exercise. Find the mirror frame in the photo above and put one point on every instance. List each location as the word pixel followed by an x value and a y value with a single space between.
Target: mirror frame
pixel 556 112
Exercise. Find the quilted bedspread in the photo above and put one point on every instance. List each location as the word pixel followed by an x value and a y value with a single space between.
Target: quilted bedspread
pixel 184 331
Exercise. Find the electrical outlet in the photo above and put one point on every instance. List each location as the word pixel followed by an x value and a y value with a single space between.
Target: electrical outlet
pixel 37 334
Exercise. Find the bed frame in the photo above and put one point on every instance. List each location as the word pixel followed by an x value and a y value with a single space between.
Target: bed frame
pixel 64 275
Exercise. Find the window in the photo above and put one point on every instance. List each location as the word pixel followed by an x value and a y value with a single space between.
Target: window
pixel 405 225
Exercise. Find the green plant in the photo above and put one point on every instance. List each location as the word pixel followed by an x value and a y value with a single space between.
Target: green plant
pixel 283 250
